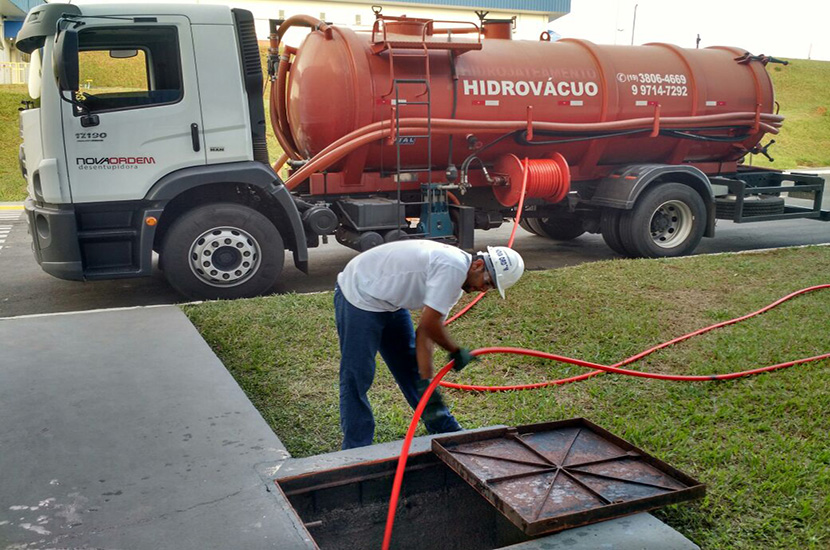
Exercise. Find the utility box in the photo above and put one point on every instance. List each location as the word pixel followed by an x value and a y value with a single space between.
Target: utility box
pixel 372 213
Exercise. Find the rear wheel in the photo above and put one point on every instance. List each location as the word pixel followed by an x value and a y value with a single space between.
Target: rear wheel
pixel 668 220
pixel 558 229
pixel 523 223
pixel 222 251
pixel 610 229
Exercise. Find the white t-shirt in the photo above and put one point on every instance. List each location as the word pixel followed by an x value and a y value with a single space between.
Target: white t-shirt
pixel 406 275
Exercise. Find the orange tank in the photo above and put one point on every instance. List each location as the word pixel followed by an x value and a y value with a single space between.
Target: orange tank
pixel 341 81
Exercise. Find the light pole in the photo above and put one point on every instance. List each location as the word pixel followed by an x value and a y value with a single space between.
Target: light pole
pixel 634 23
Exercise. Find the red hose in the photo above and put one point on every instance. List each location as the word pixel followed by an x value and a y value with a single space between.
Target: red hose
pixel 396 487
pixel 641 355
pixel 279 117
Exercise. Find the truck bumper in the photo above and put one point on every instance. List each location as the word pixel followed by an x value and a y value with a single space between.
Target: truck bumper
pixel 55 240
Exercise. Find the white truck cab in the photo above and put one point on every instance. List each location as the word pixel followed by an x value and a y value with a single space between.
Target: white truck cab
pixel 175 160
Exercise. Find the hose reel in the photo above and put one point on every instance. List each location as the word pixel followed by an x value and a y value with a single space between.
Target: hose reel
pixel 548 179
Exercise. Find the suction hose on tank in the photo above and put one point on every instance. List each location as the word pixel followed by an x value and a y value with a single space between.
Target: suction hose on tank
pixel 414 126
pixel 279 120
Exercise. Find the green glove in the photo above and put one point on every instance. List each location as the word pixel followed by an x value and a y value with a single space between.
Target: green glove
pixel 462 358
pixel 435 408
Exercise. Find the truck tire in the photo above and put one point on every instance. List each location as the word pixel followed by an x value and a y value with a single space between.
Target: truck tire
pixel 754 205
pixel 222 251
pixel 523 223
pixel 667 220
pixel 558 229
pixel 609 226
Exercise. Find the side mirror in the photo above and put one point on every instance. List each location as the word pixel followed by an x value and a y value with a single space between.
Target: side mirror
pixel 65 60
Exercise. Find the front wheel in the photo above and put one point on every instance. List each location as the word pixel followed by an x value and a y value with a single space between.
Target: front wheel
pixel 223 251
pixel 668 220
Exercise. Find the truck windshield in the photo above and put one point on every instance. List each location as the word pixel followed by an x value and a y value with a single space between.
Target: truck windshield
pixel 112 81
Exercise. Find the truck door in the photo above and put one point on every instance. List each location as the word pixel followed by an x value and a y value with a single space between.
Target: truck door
pixel 138 83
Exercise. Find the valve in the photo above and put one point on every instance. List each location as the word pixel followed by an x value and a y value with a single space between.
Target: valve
pixel 747 57
pixel 473 142
pixel 763 150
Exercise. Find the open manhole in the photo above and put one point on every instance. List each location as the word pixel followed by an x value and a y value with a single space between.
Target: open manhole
pixel 458 497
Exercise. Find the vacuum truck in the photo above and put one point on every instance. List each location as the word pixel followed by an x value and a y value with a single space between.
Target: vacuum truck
pixel 413 129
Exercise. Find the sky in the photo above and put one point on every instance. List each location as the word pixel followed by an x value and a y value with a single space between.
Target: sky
pixel 798 29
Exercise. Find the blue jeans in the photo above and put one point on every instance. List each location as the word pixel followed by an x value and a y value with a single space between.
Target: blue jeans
pixel 362 334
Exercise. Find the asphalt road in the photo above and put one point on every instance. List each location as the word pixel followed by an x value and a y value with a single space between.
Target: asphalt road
pixel 26 290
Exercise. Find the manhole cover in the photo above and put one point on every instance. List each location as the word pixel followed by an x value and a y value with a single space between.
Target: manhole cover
pixel 558 475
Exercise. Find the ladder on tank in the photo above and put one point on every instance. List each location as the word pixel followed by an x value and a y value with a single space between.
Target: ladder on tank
pixel 434 218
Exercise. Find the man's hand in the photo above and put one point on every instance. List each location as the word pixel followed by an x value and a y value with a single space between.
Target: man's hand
pixel 430 329
pixel 462 357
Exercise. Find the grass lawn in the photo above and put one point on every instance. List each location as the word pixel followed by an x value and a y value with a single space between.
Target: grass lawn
pixel 12 184
pixel 760 443
pixel 803 92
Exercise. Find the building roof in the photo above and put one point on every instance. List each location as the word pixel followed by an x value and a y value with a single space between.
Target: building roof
pixel 17 9
pixel 535 6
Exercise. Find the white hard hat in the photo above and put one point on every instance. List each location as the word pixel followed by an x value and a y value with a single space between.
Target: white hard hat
pixel 505 266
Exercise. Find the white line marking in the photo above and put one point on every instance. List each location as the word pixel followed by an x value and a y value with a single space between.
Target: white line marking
pixel 102 310
pixel 491 103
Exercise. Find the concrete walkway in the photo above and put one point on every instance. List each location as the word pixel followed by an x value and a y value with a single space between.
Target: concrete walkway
pixel 121 429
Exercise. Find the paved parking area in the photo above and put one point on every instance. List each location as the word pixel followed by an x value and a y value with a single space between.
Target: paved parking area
pixel 8 215
pixel 122 429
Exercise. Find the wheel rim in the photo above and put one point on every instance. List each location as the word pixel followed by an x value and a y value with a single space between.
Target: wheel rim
pixel 224 257
pixel 671 224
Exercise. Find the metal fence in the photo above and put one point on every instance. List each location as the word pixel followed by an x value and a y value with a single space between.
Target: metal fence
pixel 14 73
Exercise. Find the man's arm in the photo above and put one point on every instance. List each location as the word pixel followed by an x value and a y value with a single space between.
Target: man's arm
pixel 431 329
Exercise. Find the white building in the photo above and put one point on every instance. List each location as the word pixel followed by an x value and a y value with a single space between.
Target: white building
pixel 531 18
pixel 13 64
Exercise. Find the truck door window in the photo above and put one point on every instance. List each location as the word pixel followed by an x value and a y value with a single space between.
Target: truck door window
pixel 111 80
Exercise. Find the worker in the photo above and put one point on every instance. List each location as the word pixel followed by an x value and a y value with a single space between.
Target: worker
pixel 372 299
